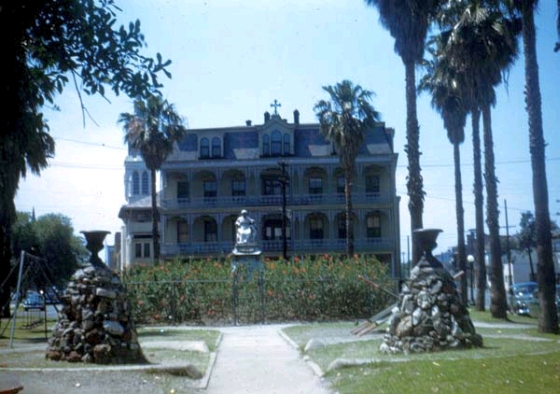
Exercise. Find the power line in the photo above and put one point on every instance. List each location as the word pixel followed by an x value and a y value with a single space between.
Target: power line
pixel 451 165
pixel 101 145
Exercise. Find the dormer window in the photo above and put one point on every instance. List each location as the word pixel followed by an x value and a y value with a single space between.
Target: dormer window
pixel 287 144
pixel 276 143
pixel 204 148
pixel 266 145
pixel 216 147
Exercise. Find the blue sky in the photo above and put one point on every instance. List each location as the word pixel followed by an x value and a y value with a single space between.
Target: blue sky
pixel 232 59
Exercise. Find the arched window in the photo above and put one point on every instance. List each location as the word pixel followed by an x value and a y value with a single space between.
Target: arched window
pixel 182 231
pixel 135 183
pixel 287 144
pixel 316 228
pixel 340 184
pixel 216 147
pixel 204 148
pixel 276 143
pixel 374 226
pixel 266 145
pixel 145 183
pixel 341 225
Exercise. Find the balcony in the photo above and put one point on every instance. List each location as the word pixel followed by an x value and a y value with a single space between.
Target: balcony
pixel 370 245
pixel 272 200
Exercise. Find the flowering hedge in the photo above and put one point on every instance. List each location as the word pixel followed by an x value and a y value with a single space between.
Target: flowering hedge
pixel 209 292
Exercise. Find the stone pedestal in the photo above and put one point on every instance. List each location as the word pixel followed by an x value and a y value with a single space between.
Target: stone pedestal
pixel 429 315
pixel 95 323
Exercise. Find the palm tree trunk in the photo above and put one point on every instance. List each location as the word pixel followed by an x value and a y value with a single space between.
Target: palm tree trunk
pixel 546 277
pixel 479 214
pixel 498 300
pixel 349 221
pixel 414 183
pixel 155 217
pixel 461 250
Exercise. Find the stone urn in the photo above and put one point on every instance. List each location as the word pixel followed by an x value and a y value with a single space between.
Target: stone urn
pixel 94 244
pixel 426 239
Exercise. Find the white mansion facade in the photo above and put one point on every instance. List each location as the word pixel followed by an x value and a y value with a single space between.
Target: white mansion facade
pixel 285 174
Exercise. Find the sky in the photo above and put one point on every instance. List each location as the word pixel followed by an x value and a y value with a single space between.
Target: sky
pixel 231 59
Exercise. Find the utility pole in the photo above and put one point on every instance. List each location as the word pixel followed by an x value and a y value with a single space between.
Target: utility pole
pixel 508 249
pixel 283 182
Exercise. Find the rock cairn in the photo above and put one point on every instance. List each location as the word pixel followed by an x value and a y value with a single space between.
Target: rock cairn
pixel 429 315
pixel 95 325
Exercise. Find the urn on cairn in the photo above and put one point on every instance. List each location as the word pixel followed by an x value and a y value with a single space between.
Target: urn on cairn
pixel 95 323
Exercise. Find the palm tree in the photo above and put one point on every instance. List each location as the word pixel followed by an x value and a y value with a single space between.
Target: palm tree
pixel 482 45
pixel 344 120
pixel 557 46
pixel 446 89
pixel 548 319
pixel 153 128
pixel 408 22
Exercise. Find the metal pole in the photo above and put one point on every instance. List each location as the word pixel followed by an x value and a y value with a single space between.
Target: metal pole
pixel 18 289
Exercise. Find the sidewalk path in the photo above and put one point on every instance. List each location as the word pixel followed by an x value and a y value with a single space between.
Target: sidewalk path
pixel 257 359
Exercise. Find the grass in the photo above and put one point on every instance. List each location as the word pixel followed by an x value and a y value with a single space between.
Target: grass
pixel 23 357
pixel 515 359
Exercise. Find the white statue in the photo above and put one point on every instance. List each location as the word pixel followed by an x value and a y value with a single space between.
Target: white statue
pixel 246 229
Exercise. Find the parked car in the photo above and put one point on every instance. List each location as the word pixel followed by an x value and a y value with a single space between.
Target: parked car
pixel 33 301
pixel 520 295
pixel 52 296
pixel 535 306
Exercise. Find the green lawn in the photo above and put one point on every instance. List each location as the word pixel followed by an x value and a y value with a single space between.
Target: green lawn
pixel 514 359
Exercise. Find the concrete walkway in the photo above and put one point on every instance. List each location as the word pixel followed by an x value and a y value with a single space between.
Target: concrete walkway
pixel 257 359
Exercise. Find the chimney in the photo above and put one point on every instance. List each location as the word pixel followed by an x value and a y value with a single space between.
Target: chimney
pixel 266 116
pixel 248 122
pixel 296 117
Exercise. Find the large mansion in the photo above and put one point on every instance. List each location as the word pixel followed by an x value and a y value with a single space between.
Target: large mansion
pixel 286 175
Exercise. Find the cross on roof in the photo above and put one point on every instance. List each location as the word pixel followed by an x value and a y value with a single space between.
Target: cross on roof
pixel 275 104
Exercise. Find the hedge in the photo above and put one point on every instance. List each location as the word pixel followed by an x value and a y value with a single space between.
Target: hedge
pixel 208 292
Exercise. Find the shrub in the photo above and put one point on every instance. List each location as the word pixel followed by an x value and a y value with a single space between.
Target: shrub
pixel 207 291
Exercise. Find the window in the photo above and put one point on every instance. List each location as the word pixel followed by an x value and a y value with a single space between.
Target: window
pixel 143 216
pixel 373 184
pixel 146 249
pixel 182 231
pixel 238 187
pixel 272 187
pixel 210 189
pixel 315 228
pixel 315 186
pixel 210 231
pixel 182 190
pixel 374 226
pixel 287 144
pixel 216 147
pixel 135 183
pixel 273 230
pixel 276 143
pixel 340 184
pixel 341 226
pixel 266 145
pixel 204 148
pixel 142 249
pixel 145 183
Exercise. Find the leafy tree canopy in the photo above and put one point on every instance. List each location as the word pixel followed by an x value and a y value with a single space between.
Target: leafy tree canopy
pixel 45 45
pixel 52 238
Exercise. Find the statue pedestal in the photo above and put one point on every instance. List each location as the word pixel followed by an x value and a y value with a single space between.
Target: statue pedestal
pixel 246 262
